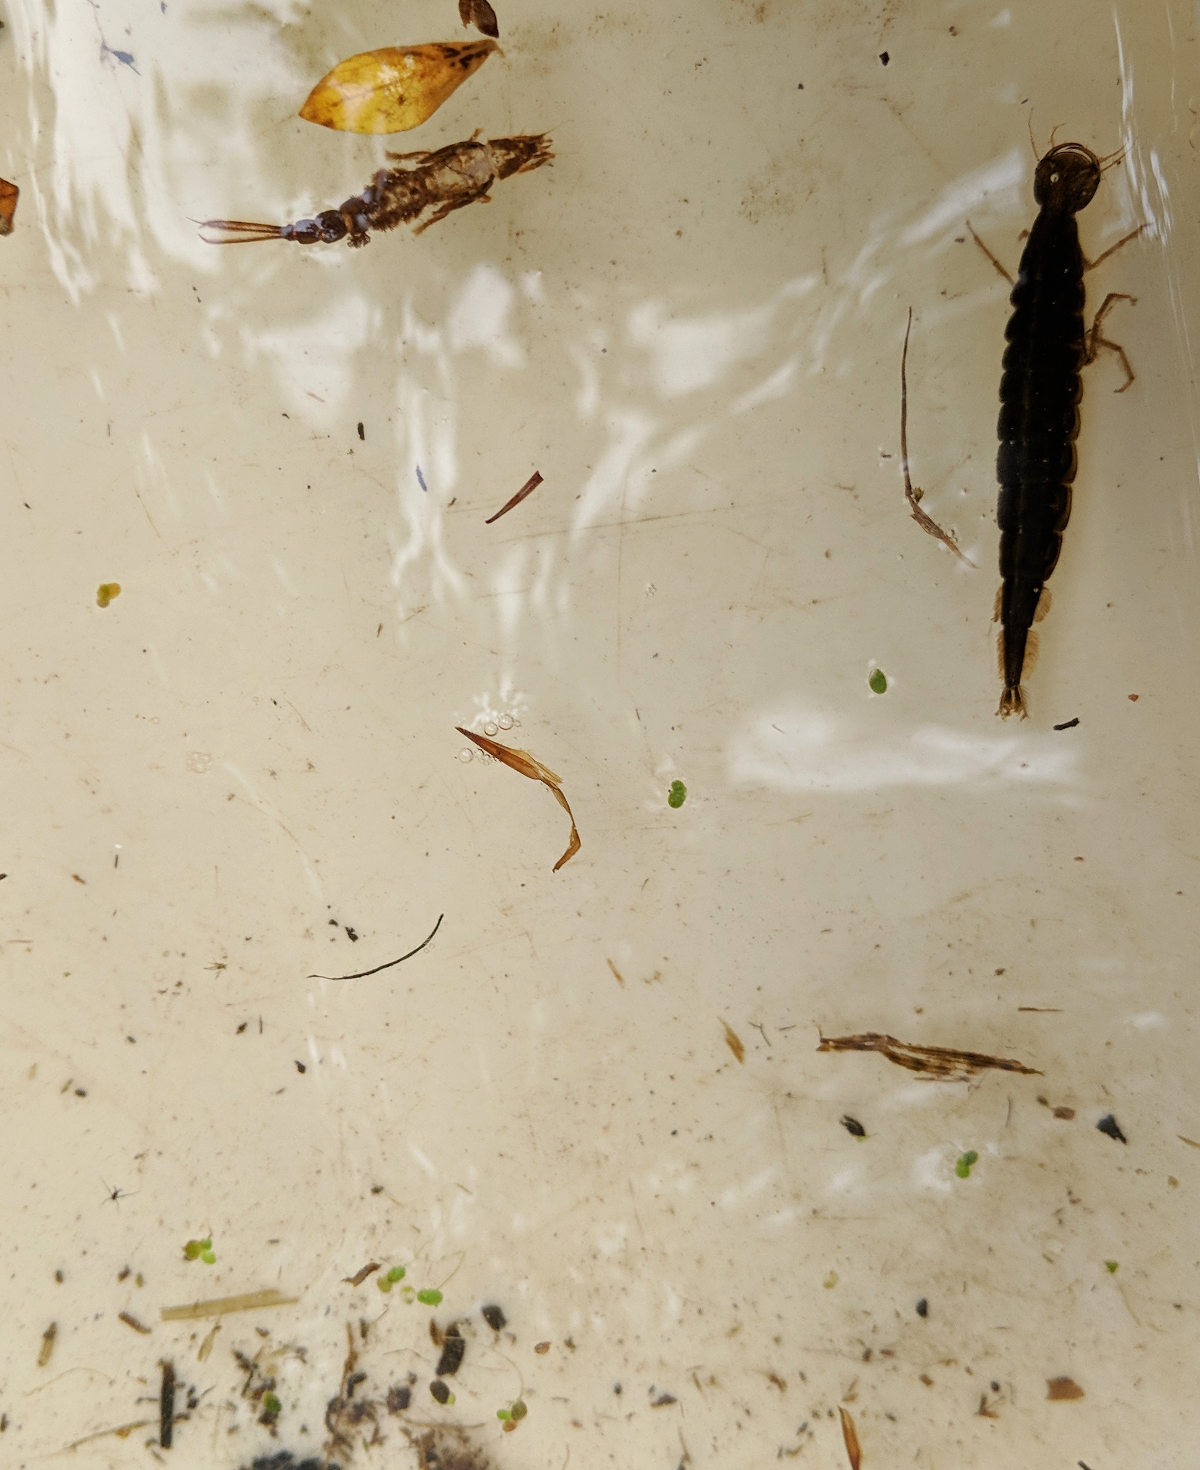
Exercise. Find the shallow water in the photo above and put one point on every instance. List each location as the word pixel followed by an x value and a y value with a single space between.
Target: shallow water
pixel 595 1099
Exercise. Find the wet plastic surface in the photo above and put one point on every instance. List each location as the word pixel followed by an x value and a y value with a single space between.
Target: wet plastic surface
pixel 595 1099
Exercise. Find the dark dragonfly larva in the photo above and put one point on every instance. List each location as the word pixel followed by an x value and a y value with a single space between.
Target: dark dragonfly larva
pixel 422 189
pixel 1040 389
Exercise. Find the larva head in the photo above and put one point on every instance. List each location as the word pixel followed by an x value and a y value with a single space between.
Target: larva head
pixel 1066 179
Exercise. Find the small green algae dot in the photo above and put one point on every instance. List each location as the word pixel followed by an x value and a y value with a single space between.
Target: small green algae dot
pixel 877 683
pixel 384 1283
pixel 430 1296
pixel 271 1403
pixel 503 1414
pixel 199 1250
pixel 519 1410
pixel 396 1273
pixel 208 1257
pixel 677 794
pixel 963 1167
pixel 1111 1267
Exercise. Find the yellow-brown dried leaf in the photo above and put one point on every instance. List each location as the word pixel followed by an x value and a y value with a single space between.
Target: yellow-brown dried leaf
pixel 393 89
pixel 529 765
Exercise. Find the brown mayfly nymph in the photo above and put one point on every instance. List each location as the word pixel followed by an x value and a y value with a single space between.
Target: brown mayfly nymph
pixel 422 189
pixel 1040 388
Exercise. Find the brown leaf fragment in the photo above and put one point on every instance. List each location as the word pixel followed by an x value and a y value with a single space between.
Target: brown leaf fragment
pixel 1059 1389
pixel 527 488
pixel 479 13
pixel 361 1274
pixel 131 1321
pixel 937 1062
pixel 850 1435
pixel 913 496
pixel 529 765
pixel 9 194
pixel 734 1042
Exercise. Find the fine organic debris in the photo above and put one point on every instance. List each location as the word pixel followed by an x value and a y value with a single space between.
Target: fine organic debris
pixel 47 1347
pixel 850 1436
pixel 913 496
pixel 479 13
pixel 1108 1124
pixel 9 194
pixel 362 974
pixel 394 88
pixel 527 488
pixel 940 1063
pixel 362 1273
pixel 1059 1389
pixel 131 1321
pixel 734 1042
pixel 106 592
pixel 528 765
pixel 217 1306
pixel 853 1126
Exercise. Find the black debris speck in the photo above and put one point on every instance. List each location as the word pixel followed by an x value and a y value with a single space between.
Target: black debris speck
pixel 923 1308
pixel 454 1345
pixel 440 1391
pixel 852 1125
pixel 884 57
pixel 494 1317
pixel 1068 724
pixel 1108 1124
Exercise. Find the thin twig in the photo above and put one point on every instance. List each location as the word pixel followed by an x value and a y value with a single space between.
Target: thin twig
pixel 913 496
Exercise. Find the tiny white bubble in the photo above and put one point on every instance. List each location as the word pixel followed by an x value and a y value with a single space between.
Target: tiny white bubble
pixel 466 754
pixel 505 722
pixel 490 728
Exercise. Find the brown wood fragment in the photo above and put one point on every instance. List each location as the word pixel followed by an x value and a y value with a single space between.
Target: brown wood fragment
pixel 479 13
pixel 617 976
pixel 850 1435
pixel 1060 1389
pixel 131 1321
pixel 528 765
pixel 734 1042
pixel 937 1062
pixel 362 1273
pixel 47 1346
pixel 527 488
pixel 166 1405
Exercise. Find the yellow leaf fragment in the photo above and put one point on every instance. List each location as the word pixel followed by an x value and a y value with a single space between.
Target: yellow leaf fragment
pixel 106 592
pixel 529 765
pixel 734 1042
pixel 393 89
